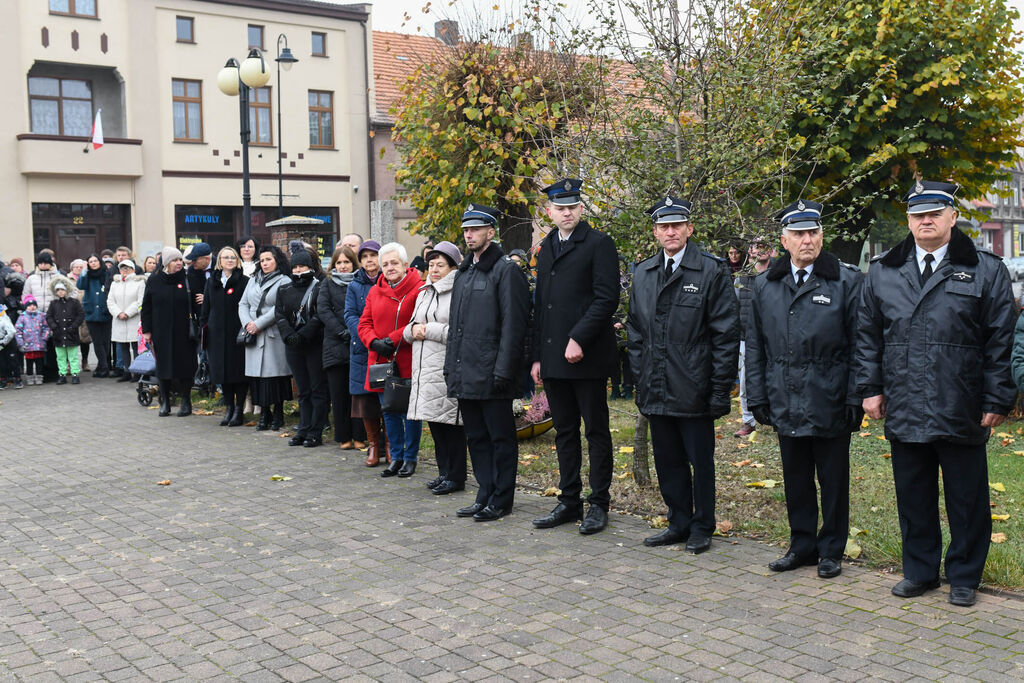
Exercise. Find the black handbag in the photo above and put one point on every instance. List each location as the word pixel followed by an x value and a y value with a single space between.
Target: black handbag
pixel 194 335
pixel 243 338
pixel 396 391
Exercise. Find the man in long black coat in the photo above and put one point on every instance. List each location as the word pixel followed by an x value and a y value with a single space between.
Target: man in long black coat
pixel 487 324
pixel 933 357
pixel 574 351
pixel 683 328
pixel 800 342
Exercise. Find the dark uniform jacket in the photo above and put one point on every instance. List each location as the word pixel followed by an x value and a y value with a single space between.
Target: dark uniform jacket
pixel 683 334
pixel 487 325
pixel 941 355
pixel 800 346
pixel 219 315
pixel 576 297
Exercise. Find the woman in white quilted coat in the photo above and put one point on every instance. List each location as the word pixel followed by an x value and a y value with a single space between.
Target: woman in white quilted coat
pixel 427 331
pixel 124 301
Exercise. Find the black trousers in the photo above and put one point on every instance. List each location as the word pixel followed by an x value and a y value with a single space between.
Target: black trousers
pixel 915 469
pixel 306 363
pixel 346 427
pixel 802 457
pixel 570 400
pixel 100 333
pixel 450 450
pixel 493 448
pixel 623 376
pixel 680 443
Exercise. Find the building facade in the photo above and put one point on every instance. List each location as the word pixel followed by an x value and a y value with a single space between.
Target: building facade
pixel 170 171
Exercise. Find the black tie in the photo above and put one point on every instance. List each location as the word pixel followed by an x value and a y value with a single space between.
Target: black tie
pixel 668 269
pixel 927 272
pixel 800 275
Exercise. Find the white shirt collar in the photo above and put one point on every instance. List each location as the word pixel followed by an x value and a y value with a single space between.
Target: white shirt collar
pixel 678 258
pixel 807 269
pixel 939 254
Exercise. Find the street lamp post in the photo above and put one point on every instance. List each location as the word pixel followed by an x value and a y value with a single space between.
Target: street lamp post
pixel 235 80
pixel 284 60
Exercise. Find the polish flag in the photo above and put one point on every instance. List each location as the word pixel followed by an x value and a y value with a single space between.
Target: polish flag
pixel 97 131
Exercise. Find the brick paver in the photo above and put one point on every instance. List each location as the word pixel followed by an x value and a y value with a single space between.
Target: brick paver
pixel 339 574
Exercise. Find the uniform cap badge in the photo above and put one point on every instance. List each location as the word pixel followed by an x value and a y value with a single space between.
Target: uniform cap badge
pixel 800 205
pixel 918 188
pixel 568 185
pixel 471 208
pixel 668 201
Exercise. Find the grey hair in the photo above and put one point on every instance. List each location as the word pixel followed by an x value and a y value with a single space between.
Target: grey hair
pixel 395 247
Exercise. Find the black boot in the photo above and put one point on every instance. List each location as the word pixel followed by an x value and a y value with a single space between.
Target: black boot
pixel 278 420
pixel 229 414
pixel 165 399
pixel 264 424
pixel 238 417
pixel 186 403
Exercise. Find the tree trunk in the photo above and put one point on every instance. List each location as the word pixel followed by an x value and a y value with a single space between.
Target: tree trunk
pixel 517 230
pixel 641 461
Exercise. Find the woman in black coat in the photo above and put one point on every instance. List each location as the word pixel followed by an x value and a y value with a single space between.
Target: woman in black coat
pixel 165 326
pixel 219 316
pixel 330 308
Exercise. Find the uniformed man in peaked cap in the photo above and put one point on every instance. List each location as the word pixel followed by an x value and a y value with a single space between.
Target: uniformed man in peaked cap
pixel 683 329
pixel 933 359
pixel 574 351
pixel 487 325
pixel 800 345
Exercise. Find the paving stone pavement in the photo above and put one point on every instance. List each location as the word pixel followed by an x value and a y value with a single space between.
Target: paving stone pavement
pixel 338 574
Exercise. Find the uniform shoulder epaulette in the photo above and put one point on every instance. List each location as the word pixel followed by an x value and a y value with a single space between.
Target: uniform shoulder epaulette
pixel 849 265
pixel 991 253
pixel 875 258
pixel 720 259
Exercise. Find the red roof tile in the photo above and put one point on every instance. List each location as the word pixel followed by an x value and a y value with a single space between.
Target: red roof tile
pixel 395 57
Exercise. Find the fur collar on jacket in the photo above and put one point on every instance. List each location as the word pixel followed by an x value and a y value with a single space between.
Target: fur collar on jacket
pixel 961 251
pixel 130 278
pixel 826 266
pixel 492 254
pixel 71 287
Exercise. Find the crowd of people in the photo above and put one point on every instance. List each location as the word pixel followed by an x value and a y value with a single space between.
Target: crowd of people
pixel 379 343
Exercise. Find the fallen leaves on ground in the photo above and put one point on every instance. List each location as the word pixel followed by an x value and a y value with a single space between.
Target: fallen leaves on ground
pixel 999 537
pixel 165 482
pixel 1000 518
pixel 864 434
pixel 279 477
pixel 203 412
pixel 551 491
pixel 765 484
pixel 741 463
pixel 997 486
pixel 1004 435
pixel 724 526
pixel 659 522
pixel 886 455
pixel 853 549
pixel 1006 442
pixel 625 449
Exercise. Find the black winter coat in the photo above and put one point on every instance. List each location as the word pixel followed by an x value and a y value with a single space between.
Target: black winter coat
pixel 330 309
pixel 64 317
pixel 940 355
pixel 197 283
pixel 683 334
pixel 487 325
pixel 577 295
pixel 219 315
pixel 292 319
pixel 800 346
pixel 165 315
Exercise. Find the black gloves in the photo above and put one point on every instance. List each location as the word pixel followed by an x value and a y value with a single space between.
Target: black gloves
pixel 502 385
pixel 853 415
pixel 763 415
pixel 720 404
pixel 293 340
pixel 345 336
pixel 383 347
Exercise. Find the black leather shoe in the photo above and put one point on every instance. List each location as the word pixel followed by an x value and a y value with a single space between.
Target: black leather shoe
pixel 791 561
pixel 698 545
pixel 62 380
pixel 185 409
pixel 961 596
pixel 596 520
pixel 392 469
pixel 408 469
pixel 313 441
pixel 469 510
pixel 435 482
pixel 264 423
pixel 278 420
pixel 562 514
pixel 237 417
pixel 227 416
pixel 666 537
pixel 446 487
pixel 489 514
pixel 908 588
pixel 297 440
pixel 125 377
pixel 829 568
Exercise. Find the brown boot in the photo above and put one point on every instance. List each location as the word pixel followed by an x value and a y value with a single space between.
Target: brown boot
pixel 372 436
pixel 387 445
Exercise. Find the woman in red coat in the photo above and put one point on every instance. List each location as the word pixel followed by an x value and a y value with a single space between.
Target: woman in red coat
pixel 389 306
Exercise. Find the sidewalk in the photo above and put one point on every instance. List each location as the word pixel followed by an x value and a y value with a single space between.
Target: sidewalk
pixel 338 574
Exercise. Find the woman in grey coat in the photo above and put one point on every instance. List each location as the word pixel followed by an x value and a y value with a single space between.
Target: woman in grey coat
pixel 427 332
pixel 265 360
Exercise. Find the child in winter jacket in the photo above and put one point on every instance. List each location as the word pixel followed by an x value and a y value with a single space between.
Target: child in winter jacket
pixel 8 349
pixel 64 316
pixel 31 332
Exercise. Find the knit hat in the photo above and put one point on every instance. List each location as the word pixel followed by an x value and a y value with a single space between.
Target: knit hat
pixel 18 260
pixel 368 245
pixel 168 254
pixel 78 261
pixel 44 257
pixel 301 258
pixel 29 301
pixel 59 285
pixel 448 250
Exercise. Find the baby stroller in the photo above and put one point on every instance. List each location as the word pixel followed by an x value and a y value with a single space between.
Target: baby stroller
pixel 144 365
